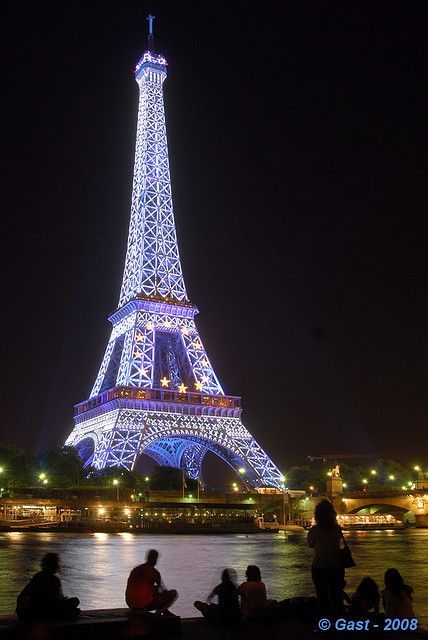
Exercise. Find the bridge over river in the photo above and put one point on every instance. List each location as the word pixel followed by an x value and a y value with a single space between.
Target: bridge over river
pixel 396 503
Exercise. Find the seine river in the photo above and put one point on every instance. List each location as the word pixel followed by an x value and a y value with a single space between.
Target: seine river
pixel 96 566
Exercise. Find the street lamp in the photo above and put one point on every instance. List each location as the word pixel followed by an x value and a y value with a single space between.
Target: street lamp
pixel 392 477
pixel 373 472
pixel 1 469
pixel 43 478
pixel 116 484
pixel 365 481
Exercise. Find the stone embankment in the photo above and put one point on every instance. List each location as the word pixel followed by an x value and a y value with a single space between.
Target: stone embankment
pixel 118 624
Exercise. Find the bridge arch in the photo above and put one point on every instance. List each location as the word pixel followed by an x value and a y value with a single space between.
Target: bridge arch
pixel 397 511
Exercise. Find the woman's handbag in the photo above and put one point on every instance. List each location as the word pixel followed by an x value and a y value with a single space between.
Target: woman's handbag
pixel 346 556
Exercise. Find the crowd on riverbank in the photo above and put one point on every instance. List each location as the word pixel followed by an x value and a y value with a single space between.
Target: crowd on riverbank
pixel 230 602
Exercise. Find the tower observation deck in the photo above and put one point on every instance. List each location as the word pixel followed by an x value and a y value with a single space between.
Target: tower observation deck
pixel 156 391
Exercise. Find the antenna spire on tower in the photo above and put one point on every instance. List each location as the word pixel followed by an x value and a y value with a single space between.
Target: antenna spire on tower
pixel 150 19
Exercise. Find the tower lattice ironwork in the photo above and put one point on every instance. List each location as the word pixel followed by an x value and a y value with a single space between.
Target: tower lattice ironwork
pixel 156 391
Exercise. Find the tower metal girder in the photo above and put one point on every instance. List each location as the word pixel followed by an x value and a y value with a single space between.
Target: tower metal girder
pixel 152 265
pixel 156 391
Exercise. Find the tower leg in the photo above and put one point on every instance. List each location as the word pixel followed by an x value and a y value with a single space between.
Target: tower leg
pixel 117 448
pixel 191 461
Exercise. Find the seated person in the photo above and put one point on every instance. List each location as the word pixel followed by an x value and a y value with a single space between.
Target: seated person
pixel 397 596
pixel 366 598
pixel 253 594
pixel 227 608
pixel 42 597
pixel 145 589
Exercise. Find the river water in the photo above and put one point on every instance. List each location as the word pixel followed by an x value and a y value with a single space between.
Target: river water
pixel 95 566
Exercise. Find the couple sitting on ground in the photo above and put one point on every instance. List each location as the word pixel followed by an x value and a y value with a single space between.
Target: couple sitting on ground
pixel 252 593
pixel 396 598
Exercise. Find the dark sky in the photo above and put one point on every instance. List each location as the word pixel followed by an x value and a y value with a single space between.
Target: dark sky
pixel 298 150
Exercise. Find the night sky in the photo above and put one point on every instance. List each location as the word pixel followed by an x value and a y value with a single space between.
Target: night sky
pixel 298 150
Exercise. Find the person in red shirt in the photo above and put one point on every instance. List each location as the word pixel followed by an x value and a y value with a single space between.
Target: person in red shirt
pixel 145 589
pixel 253 594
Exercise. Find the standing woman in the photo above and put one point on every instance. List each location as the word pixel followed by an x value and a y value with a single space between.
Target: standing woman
pixel 328 573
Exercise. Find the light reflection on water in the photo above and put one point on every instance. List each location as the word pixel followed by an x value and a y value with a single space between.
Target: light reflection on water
pixel 95 566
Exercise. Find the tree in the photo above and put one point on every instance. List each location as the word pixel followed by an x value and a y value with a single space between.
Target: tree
pixel 18 468
pixel 62 467
pixel 304 477
pixel 103 478
pixel 165 478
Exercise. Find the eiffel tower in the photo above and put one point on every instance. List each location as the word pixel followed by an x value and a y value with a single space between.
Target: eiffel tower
pixel 156 392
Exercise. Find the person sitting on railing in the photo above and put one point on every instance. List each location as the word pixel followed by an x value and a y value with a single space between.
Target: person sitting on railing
pixel 227 609
pixel 43 598
pixel 145 590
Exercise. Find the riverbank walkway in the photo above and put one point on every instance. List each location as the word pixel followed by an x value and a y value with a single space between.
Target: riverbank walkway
pixel 118 624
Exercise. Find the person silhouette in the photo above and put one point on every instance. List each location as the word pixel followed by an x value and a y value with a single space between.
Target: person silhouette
pixel 227 609
pixel 43 598
pixel 145 589
pixel 365 599
pixel 327 570
pixel 397 598
pixel 253 594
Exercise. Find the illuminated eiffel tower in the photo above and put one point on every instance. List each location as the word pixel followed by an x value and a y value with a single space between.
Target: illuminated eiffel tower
pixel 156 391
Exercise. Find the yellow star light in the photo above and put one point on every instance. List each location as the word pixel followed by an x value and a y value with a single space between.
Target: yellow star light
pixel 139 337
pixel 185 331
pixel 182 388
pixel 198 345
pixel 205 363
pixel 150 325
pixel 198 386
pixel 167 322
pixel 164 381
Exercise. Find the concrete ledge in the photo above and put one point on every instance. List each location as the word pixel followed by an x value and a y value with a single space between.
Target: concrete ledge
pixel 117 624
pixel 107 624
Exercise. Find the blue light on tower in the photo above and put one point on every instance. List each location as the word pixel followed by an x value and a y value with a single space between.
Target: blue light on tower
pixel 156 391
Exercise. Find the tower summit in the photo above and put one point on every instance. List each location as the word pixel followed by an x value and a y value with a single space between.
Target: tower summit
pixel 156 391
pixel 150 46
